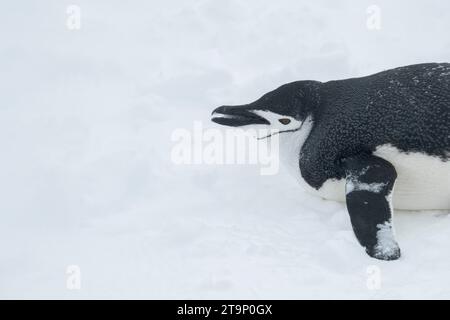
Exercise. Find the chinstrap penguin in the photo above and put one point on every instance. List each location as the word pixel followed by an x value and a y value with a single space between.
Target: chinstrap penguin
pixel 377 142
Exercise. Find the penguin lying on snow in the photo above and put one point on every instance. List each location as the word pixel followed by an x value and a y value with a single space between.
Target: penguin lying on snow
pixel 362 136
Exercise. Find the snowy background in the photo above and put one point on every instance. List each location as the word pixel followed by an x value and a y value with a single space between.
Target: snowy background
pixel 86 177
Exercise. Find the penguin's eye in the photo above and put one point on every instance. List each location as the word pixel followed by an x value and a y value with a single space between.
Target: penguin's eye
pixel 285 121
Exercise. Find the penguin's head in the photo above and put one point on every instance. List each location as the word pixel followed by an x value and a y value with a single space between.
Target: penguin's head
pixel 282 110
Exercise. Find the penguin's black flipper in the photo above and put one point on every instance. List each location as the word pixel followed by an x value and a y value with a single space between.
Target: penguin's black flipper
pixel 369 183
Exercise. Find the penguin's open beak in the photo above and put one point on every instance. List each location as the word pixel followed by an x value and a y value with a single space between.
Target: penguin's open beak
pixel 236 116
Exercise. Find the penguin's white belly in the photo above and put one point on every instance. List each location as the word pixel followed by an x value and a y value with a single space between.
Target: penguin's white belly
pixel 423 182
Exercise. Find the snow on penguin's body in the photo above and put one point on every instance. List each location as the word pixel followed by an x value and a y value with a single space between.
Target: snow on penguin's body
pixel 354 139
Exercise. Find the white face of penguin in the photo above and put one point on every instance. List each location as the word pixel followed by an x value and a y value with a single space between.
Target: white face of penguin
pixel 265 123
pixel 279 123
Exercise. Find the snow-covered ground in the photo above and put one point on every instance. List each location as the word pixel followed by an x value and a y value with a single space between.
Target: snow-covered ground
pixel 86 176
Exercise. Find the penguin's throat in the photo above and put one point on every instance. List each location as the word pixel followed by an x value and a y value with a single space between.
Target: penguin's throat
pixel 291 145
pixel 278 133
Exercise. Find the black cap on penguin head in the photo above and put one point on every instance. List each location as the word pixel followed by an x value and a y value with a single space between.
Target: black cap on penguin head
pixel 291 102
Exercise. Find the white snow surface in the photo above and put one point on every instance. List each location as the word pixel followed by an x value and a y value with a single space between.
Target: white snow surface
pixel 86 176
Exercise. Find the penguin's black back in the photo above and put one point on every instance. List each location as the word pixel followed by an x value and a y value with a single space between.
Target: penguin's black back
pixel 406 107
